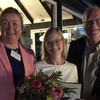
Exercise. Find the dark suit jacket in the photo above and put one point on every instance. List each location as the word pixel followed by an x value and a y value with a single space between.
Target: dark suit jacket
pixel 75 54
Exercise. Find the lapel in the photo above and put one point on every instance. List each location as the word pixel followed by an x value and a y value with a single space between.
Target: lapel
pixel 5 61
pixel 27 60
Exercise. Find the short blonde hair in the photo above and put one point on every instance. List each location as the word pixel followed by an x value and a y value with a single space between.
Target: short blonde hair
pixel 45 54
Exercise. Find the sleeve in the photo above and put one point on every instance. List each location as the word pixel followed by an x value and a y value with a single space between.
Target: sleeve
pixel 71 52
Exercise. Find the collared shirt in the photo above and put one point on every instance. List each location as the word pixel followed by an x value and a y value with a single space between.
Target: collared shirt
pixel 90 64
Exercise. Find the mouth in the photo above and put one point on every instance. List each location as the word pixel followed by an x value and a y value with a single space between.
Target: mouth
pixel 10 36
pixel 95 30
pixel 54 50
pixel 10 33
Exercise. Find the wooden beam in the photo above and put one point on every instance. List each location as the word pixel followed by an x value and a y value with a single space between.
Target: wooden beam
pixel 24 10
pixel 46 7
pixel 67 22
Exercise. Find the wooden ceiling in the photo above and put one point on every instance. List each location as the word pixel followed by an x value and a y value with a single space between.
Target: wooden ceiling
pixel 34 12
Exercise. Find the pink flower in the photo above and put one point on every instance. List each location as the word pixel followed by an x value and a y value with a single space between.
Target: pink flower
pixel 57 92
pixel 36 84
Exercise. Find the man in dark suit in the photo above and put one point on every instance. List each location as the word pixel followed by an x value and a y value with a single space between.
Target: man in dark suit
pixel 85 53
pixel 75 54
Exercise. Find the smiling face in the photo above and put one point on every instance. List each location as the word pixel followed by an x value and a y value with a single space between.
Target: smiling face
pixel 54 44
pixel 92 24
pixel 10 28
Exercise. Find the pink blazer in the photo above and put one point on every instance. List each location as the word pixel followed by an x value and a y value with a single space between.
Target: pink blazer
pixel 7 89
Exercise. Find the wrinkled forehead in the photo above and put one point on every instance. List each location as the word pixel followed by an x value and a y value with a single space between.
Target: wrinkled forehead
pixel 92 14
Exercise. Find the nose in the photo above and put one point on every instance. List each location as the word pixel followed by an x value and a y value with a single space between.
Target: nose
pixel 53 43
pixel 94 22
pixel 10 27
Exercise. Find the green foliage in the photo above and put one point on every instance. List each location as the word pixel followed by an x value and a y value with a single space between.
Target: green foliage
pixel 41 85
pixel 68 90
pixel 56 75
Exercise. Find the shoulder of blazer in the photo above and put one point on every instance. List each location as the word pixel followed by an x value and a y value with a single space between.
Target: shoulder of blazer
pixel 27 49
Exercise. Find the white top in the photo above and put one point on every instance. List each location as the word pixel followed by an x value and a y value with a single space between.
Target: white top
pixel 69 70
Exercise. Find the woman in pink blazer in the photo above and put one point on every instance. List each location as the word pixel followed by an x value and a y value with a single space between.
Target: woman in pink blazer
pixel 16 61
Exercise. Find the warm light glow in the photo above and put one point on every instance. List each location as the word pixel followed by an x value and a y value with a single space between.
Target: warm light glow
pixel 41 38
pixel 75 28
pixel 65 35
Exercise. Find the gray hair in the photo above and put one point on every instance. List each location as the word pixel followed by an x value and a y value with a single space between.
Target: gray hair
pixel 84 18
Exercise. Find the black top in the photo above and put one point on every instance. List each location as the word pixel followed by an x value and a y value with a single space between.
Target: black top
pixel 17 67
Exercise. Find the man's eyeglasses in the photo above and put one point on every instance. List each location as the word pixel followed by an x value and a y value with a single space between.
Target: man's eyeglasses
pixel 56 42
pixel 90 22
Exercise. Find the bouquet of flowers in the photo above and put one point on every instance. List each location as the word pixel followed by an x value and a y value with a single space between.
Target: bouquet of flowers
pixel 43 87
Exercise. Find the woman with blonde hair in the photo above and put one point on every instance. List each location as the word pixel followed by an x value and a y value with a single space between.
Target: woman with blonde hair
pixel 54 56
